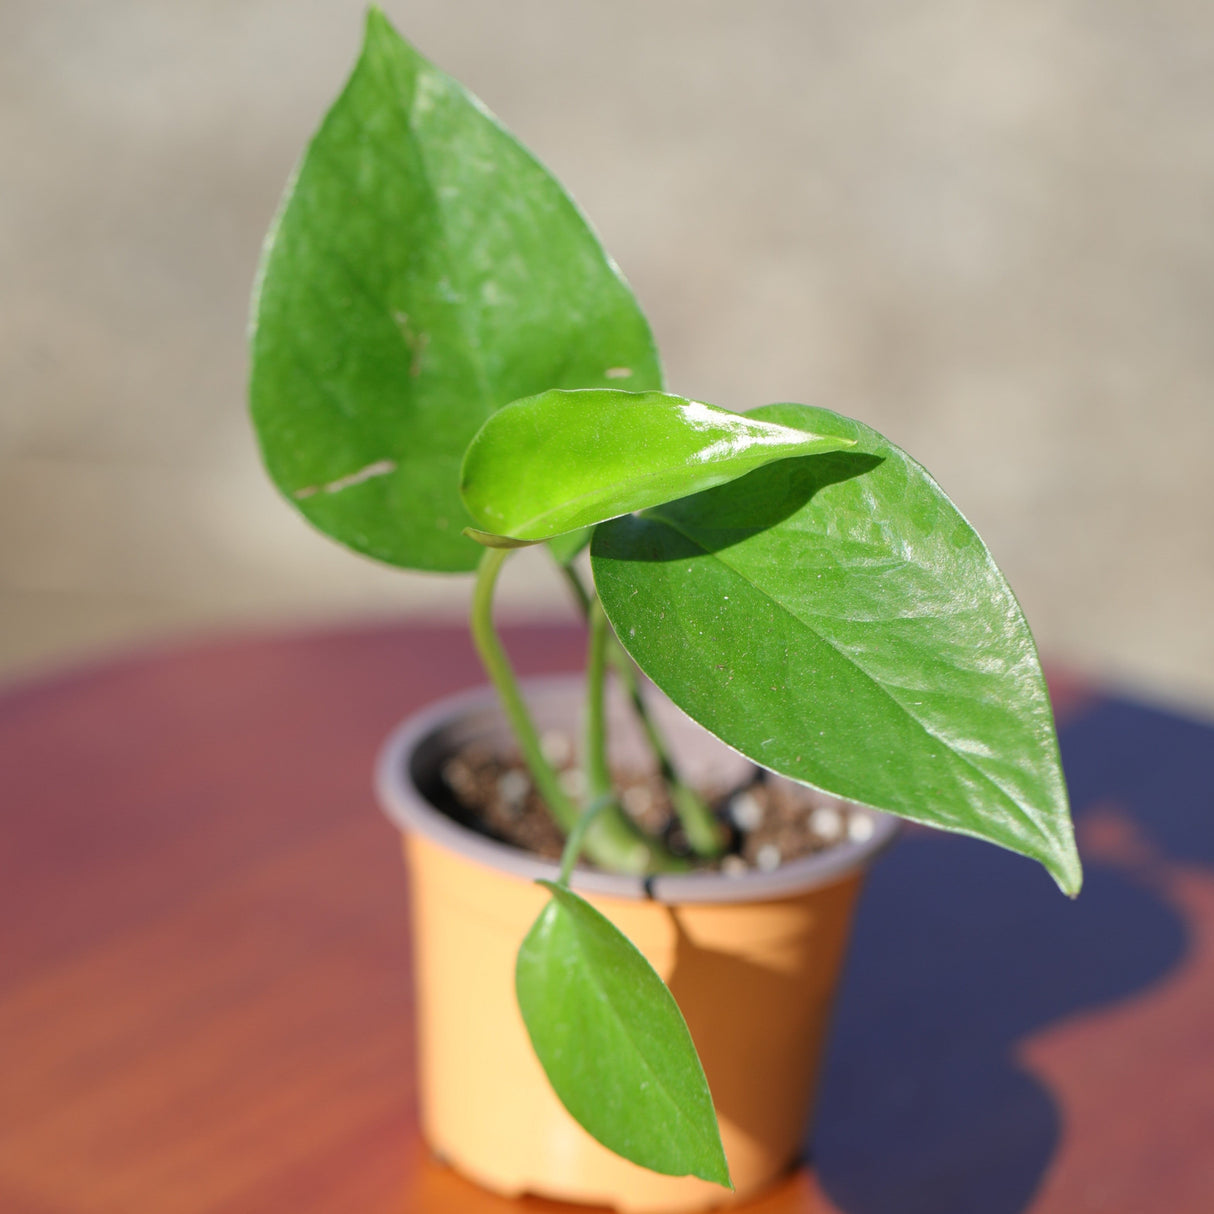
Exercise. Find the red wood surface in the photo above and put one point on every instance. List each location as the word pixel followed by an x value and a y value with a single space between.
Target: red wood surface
pixel 204 991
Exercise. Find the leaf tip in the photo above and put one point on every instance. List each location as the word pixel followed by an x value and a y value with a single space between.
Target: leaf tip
pixel 375 23
pixel 376 19
pixel 718 1171
pixel 1070 878
pixel 491 540
pixel 379 32
pixel 1065 867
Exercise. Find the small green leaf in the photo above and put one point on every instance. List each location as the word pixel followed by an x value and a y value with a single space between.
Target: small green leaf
pixel 838 621
pixel 613 1042
pixel 424 270
pixel 561 460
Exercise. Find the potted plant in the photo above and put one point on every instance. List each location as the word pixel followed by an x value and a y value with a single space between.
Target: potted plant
pixel 446 366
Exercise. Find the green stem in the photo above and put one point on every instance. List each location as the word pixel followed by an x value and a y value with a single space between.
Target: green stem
pixel 615 843
pixel 497 665
pixel 625 671
pixel 594 749
pixel 704 832
pixel 577 587
pixel 577 836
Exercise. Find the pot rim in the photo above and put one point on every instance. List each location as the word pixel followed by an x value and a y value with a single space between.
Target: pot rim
pixel 407 807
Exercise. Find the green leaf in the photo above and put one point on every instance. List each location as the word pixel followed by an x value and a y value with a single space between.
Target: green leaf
pixel 423 271
pixel 562 460
pixel 613 1042
pixel 838 621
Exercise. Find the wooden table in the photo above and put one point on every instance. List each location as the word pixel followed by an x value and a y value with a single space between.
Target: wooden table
pixel 204 992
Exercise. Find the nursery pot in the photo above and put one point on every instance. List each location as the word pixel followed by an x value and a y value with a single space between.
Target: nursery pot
pixel 752 959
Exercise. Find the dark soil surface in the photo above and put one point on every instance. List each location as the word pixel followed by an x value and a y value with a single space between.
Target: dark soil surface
pixel 770 821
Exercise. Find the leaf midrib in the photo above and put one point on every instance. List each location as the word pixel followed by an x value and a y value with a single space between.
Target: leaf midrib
pixel 590 495
pixel 588 969
pixel 1022 811
pixel 404 113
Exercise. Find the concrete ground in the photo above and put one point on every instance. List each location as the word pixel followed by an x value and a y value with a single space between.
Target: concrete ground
pixel 985 228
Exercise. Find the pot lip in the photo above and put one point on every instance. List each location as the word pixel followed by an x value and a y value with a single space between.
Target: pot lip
pixel 404 804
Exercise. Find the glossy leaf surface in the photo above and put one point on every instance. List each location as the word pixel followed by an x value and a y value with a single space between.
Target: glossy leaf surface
pixel 613 1042
pixel 838 621
pixel 423 271
pixel 563 460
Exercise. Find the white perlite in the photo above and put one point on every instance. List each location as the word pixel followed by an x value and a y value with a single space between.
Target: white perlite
pixel 573 781
pixel 745 812
pixel 860 828
pixel 513 787
pixel 768 857
pixel 556 747
pixel 827 823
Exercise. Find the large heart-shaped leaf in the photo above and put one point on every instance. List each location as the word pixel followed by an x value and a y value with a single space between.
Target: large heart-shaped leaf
pixel 613 1042
pixel 563 460
pixel 423 271
pixel 838 621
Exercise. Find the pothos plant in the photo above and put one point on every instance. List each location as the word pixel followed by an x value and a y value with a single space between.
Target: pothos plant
pixel 447 366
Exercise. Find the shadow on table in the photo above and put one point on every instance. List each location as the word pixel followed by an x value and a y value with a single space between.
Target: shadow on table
pixel 963 951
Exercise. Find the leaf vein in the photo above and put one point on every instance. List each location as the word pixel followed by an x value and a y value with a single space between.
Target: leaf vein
pixel 1021 810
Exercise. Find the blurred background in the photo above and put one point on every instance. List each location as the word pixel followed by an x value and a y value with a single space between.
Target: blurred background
pixel 985 228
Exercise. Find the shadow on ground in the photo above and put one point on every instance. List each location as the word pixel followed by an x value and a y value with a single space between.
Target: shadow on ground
pixel 962 952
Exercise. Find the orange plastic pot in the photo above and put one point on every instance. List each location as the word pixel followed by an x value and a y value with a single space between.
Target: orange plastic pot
pixel 753 961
